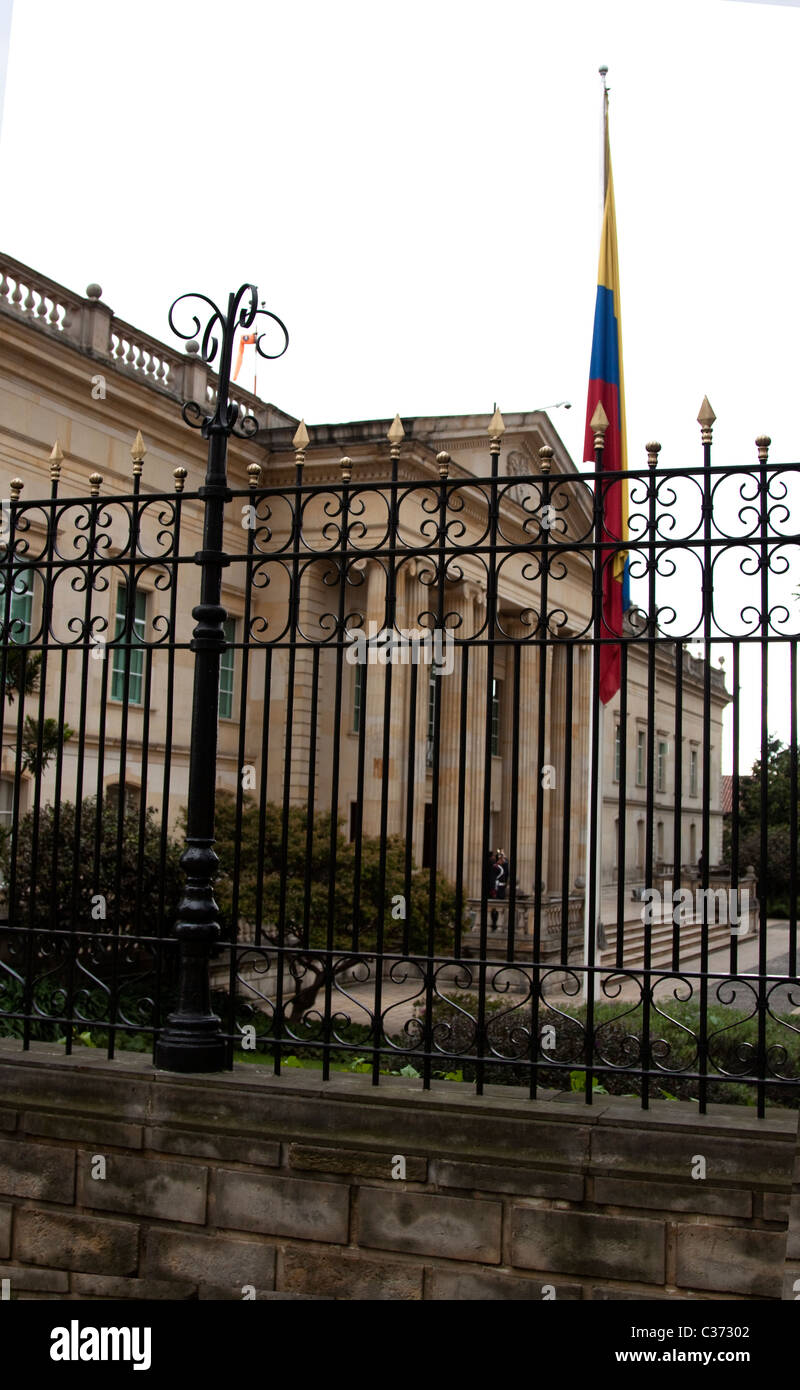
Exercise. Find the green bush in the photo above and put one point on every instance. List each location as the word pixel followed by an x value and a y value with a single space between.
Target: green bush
pixel 616 1054
pixel 128 870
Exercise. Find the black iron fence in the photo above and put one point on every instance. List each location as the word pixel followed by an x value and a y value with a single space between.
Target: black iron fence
pixel 369 813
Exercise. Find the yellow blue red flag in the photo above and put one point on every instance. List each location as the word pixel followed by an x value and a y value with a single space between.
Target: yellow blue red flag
pixel 606 386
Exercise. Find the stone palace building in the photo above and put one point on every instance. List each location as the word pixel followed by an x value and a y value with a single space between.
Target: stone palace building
pixel 75 376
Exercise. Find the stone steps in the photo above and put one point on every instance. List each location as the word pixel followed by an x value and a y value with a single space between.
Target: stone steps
pixel 690 940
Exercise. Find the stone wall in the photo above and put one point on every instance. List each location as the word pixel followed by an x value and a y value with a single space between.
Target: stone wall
pixel 245 1184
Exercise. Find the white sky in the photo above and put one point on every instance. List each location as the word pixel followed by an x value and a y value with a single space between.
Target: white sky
pixel 415 189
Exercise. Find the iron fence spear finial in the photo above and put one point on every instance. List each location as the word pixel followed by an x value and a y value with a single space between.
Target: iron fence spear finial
pixel 497 425
pixel 300 442
pixel 706 420
pixel 395 435
pixel 138 451
pixel 56 459
pixel 599 424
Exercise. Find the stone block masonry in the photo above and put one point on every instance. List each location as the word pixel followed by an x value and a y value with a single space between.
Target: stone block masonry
pixel 119 1182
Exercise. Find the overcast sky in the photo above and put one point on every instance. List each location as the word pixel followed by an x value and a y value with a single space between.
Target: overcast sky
pixel 415 189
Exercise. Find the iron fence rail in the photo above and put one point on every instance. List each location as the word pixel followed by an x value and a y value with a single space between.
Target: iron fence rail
pixel 375 942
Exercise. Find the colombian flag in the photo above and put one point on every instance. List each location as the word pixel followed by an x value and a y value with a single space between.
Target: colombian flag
pixel 606 386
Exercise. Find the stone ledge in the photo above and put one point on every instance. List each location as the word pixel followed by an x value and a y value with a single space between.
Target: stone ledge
pixel 112 1080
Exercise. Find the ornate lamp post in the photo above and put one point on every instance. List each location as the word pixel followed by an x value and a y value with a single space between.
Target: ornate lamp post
pixel 191 1040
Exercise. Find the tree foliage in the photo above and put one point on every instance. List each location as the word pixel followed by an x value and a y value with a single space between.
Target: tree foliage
pixel 775 876
pixel 307 880
pixel 127 871
pixel 22 673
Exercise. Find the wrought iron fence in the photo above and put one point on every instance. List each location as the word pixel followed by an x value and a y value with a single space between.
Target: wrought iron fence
pixel 398 679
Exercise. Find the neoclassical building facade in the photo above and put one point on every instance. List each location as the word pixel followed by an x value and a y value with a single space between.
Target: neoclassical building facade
pixel 441 760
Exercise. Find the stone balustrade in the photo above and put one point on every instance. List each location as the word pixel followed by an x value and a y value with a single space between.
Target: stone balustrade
pixel 32 296
pixel 89 325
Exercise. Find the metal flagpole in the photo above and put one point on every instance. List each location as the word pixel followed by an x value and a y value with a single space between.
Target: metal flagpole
pixel 592 900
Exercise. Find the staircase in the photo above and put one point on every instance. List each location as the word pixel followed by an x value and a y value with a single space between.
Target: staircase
pixel 689 938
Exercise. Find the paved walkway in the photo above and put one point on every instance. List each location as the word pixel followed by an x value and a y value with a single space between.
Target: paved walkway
pixel 398 1000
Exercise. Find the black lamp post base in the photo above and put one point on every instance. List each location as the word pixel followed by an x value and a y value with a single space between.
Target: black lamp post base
pixel 195 1048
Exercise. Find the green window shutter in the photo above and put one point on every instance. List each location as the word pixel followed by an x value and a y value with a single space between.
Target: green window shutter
pixel 135 660
pixel 226 671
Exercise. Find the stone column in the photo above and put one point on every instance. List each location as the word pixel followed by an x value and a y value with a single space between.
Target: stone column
pixel 314 599
pixel 477 715
pixel 374 608
pixel 411 599
pixel 556 746
pixel 526 772
pixel 457 600
pixel 581 751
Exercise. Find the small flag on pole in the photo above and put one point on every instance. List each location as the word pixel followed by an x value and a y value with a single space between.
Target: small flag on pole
pixel 246 340
pixel 606 387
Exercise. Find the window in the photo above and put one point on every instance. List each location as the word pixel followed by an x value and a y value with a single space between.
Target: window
pixel 693 772
pixel 132 654
pixel 663 750
pixel 133 798
pixel 226 671
pixel 431 720
pixel 6 802
pixel 19 609
pixel 496 718
pixel 692 843
pixel 617 752
pixel 660 842
pixel 641 753
pixel 359 679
